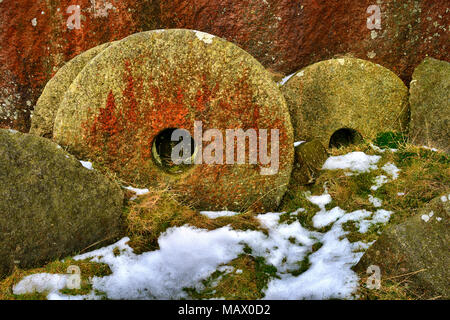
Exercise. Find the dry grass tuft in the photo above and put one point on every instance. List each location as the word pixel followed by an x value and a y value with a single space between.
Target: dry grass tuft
pixel 160 210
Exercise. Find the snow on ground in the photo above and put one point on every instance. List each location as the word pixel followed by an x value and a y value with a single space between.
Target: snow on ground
pixel 138 192
pixel 217 214
pixel 355 161
pixel 188 255
pixel 87 165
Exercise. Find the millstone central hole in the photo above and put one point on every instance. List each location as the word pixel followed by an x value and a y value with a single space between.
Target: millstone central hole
pixel 174 156
pixel 345 137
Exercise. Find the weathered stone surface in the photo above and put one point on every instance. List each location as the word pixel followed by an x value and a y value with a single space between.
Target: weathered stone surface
pixel 345 93
pixel 48 103
pixel 161 80
pixel 420 243
pixel 286 35
pixel 35 41
pixel 50 205
pixel 430 105
pixel 308 161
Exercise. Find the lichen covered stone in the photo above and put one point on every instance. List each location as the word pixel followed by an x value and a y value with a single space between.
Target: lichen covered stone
pixel 308 161
pixel 50 99
pixel 418 247
pixel 430 105
pixel 50 205
pixel 129 95
pixel 355 95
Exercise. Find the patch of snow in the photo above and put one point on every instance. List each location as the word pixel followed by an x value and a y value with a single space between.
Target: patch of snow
pixel 354 161
pixel 205 37
pixel 297 143
pixel 138 192
pixel 285 79
pixel 375 201
pixel 444 198
pixel 300 74
pixel 217 214
pixel 400 194
pixel 425 218
pixel 391 169
pixel 379 182
pixel 87 165
pixel 325 218
pixel 40 283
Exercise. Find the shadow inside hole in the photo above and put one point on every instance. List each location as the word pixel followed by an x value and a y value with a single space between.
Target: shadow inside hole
pixel 345 137
pixel 163 147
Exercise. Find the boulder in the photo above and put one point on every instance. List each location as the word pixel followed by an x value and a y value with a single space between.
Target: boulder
pixel 340 101
pixel 418 247
pixel 430 105
pixel 50 205
pixel 50 99
pixel 158 81
pixel 309 159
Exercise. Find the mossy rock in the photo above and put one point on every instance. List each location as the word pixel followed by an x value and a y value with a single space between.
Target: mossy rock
pixel 430 105
pixel 420 246
pixel 51 206
pixel 358 97
pixel 48 103
pixel 309 159
pixel 121 106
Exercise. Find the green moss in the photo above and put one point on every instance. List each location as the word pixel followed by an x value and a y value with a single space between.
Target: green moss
pixel 391 140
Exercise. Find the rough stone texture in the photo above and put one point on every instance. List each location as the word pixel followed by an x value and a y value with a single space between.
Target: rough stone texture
pixel 286 35
pixel 35 42
pixel 50 205
pixel 416 245
pixel 48 103
pixel 430 105
pixel 309 159
pixel 154 81
pixel 345 93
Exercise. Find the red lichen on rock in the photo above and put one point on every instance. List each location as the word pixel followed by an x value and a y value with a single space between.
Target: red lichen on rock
pixel 286 35
pixel 36 41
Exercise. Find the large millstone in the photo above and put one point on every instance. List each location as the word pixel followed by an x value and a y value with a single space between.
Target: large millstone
pixel 122 107
pixel 48 103
pixel 430 105
pixel 337 101
pixel 50 205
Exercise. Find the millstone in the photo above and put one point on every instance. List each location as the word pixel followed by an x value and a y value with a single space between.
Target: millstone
pixel 50 99
pixel 337 101
pixel 123 106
